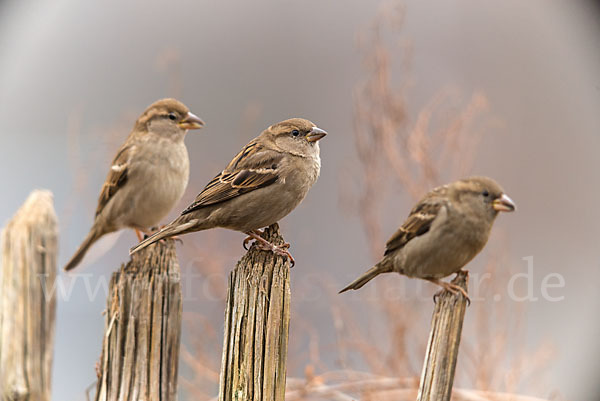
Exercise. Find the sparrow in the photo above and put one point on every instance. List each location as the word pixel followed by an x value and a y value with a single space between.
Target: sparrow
pixel 147 176
pixel 445 230
pixel 263 183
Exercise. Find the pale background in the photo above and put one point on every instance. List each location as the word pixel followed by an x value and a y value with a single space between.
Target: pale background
pixel 74 76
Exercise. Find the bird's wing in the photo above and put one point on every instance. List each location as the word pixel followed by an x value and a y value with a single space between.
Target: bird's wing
pixel 117 177
pixel 419 221
pixel 253 168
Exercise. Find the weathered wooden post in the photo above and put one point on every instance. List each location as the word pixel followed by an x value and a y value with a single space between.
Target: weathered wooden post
pixel 257 321
pixel 140 350
pixel 444 339
pixel 27 301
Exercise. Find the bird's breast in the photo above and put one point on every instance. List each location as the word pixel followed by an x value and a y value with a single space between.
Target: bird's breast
pixel 163 176
pixel 300 172
pixel 265 206
pixel 449 245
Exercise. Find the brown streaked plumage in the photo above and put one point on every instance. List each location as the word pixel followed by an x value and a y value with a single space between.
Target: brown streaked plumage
pixel 445 230
pixel 147 176
pixel 263 183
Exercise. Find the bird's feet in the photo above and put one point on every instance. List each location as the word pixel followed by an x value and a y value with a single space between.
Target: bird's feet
pixel 453 288
pixel 250 238
pixel 265 245
pixel 281 250
pixel 144 234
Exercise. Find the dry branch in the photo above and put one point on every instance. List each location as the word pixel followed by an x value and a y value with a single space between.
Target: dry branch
pixel 444 339
pixel 352 385
pixel 140 350
pixel 257 319
pixel 27 307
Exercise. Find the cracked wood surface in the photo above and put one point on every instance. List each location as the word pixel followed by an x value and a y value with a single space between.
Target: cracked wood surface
pixel 439 367
pixel 140 349
pixel 257 319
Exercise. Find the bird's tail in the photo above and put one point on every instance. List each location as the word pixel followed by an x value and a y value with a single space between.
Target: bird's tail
pixel 92 237
pixel 174 228
pixel 367 276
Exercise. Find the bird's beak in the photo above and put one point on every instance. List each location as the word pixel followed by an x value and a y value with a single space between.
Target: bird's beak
pixel 191 121
pixel 315 134
pixel 504 204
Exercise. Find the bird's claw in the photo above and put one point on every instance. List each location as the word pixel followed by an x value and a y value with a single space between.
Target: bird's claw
pixel 264 245
pixel 283 251
pixel 246 240
pixel 454 289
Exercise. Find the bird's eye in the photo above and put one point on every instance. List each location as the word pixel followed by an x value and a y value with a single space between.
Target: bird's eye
pixel 172 116
pixel 295 132
pixel 485 193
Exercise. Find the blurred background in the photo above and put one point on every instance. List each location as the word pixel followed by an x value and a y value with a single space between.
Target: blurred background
pixel 413 94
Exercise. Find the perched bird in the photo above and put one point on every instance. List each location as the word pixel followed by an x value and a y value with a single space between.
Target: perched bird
pixel 264 182
pixel 148 175
pixel 443 232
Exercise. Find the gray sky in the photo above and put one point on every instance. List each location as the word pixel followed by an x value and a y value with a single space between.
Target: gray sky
pixel 95 68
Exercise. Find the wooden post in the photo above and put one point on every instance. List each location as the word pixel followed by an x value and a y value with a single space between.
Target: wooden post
pixel 444 339
pixel 27 301
pixel 257 321
pixel 140 349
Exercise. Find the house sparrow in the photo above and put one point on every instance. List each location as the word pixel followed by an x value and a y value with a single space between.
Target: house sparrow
pixel 148 175
pixel 263 183
pixel 443 232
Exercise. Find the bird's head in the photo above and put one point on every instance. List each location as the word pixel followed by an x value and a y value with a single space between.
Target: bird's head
pixel 484 196
pixel 296 136
pixel 168 117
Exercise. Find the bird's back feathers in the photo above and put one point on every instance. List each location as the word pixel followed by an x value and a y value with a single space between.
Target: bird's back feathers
pixel 252 168
pixel 419 222
pixel 116 178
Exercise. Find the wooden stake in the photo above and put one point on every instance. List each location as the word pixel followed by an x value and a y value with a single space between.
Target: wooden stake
pixel 27 300
pixel 444 339
pixel 140 350
pixel 257 321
